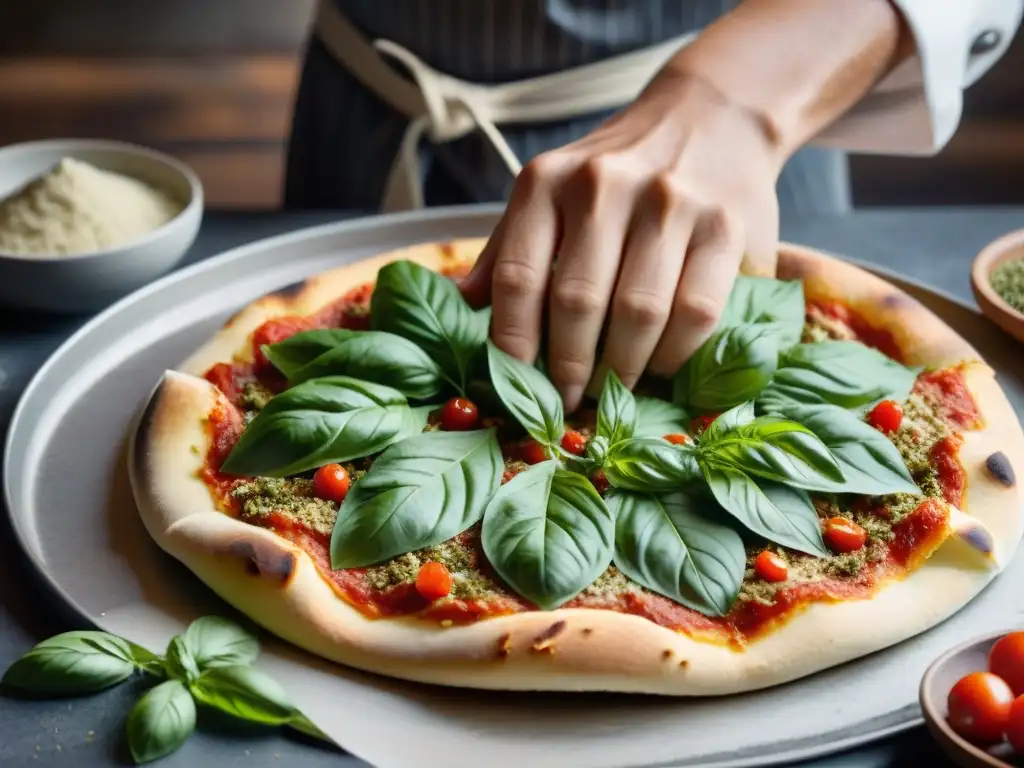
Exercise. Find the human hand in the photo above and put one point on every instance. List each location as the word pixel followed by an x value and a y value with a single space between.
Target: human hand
pixel 650 216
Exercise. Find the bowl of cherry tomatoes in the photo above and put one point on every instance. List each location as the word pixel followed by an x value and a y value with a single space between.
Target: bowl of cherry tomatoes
pixel 973 701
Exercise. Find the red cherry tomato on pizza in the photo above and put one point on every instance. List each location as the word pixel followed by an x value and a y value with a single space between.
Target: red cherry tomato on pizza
pixel 459 415
pixel 770 567
pixel 979 707
pixel 886 416
pixel 433 580
pixel 677 439
pixel 600 481
pixel 574 442
pixel 531 452
pixel 331 483
pixel 274 332
pixel 844 535
pixel 701 423
pixel 1015 725
pixel 1006 661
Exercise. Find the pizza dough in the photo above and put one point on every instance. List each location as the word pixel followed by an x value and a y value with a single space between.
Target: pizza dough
pixel 278 586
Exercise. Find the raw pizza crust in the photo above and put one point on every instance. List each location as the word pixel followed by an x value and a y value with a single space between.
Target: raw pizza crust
pixel 277 585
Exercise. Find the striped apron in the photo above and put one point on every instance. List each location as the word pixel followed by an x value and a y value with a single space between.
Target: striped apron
pixel 346 137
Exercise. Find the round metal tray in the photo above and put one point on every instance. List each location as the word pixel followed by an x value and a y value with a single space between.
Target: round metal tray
pixel 72 510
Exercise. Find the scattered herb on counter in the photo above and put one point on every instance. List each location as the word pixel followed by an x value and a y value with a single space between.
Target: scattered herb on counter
pixel 1008 281
pixel 209 665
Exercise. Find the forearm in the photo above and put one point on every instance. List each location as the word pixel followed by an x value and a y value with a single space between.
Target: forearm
pixel 795 65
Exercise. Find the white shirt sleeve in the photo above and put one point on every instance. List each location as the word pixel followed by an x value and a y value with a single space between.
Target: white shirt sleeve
pixel 916 109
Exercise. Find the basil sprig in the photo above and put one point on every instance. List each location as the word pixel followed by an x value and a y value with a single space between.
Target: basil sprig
pixel 418 493
pixel 528 395
pixel 208 664
pixel 667 544
pixel 755 300
pixel 616 411
pixel 427 308
pixel 376 356
pixel 843 373
pixel 650 464
pixel 325 420
pixel 548 534
pixel 731 367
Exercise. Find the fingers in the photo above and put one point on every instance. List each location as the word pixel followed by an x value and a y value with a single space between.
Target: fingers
pixel 651 268
pixel 595 217
pixel 516 262
pixel 709 271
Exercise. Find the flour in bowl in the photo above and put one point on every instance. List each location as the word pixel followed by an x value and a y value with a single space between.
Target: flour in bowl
pixel 78 208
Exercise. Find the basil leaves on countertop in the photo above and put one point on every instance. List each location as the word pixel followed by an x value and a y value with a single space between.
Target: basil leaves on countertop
pixel 731 367
pixel 668 545
pixel 215 652
pixel 548 534
pixel 528 395
pixel 376 356
pixel 331 419
pixel 418 493
pixel 843 373
pixel 425 307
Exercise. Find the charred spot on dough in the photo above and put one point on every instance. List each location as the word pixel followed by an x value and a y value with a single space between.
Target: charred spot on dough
pixel 503 645
pixel 291 290
pixel 999 467
pixel 447 250
pixel 897 300
pixel 666 654
pixel 544 642
pixel 264 559
pixel 587 631
pixel 684 664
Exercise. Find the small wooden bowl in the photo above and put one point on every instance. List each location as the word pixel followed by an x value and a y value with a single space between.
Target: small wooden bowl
pixel 938 680
pixel 1006 248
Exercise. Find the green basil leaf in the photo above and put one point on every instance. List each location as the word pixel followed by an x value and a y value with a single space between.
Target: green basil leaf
pixel 657 418
pixel 548 534
pixel 870 463
pixel 666 544
pixel 245 693
pixel 650 464
pixel 766 300
pixel 780 514
pixel 775 449
pixel 418 493
pixel 376 356
pixel 616 410
pixel 427 308
pixel 322 421
pixel 180 662
pixel 161 721
pixel 528 395
pixel 735 417
pixel 307 727
pixel 75 663
pixel 731 367
pixel 844 373
pixel 217 642
pixel 597 450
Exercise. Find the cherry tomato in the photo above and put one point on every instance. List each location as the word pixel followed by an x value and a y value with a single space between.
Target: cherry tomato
pixel 1006 660
pixel 844 535
pixel 331 483
pixel 600 481
pixel 531 452
pixel 433 580
pixel 770 567
pixel 459 415
pixel 1015 725
pixel 222 376
pixel 886 416
pixel 574 442
pixel 701 423
pixel 677 439
pixel 979 707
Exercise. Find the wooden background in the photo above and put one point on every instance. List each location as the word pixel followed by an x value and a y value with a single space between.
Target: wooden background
pixel 212 82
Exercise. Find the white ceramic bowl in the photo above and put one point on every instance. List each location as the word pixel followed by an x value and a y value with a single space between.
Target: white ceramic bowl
pixel 90 281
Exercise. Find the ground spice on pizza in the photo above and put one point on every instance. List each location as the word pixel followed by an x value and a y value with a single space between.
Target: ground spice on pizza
pixel 821 472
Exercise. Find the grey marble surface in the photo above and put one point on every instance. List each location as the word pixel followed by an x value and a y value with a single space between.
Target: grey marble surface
pixel 934 246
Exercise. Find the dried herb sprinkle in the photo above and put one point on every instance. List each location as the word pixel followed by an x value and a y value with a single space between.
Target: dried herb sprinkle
pixel 1008 281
